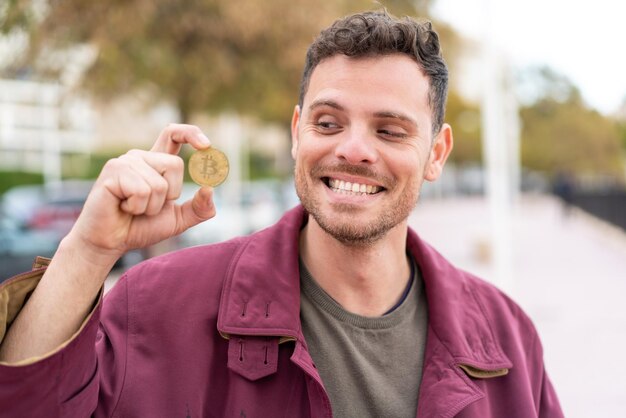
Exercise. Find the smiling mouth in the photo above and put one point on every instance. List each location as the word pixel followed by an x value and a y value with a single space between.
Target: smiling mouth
pixel 345 187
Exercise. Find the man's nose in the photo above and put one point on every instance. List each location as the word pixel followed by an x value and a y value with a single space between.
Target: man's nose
pixel 356 146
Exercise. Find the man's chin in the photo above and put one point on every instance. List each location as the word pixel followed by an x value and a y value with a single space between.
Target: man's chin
pixel 350 230
pixel 349 208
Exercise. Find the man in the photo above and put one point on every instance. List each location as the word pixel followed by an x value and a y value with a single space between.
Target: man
pixel 337 310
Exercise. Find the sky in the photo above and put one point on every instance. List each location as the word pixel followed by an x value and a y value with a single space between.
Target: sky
pixel 584 40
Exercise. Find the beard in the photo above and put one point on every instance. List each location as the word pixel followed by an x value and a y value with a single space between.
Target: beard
pixel 344 228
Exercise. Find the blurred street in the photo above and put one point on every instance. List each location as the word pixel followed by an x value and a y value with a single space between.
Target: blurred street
pixel 569 277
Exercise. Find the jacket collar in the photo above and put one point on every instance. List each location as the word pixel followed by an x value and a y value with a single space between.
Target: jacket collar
pixel 456 314
pixel 459 334
pixel 261 296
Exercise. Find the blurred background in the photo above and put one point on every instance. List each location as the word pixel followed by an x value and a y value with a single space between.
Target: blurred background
pixel 533 198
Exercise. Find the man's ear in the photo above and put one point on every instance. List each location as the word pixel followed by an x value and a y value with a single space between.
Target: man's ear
pixel 439 153
pixel 295 120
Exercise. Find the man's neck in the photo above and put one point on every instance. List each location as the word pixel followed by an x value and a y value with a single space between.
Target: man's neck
pixel 365 280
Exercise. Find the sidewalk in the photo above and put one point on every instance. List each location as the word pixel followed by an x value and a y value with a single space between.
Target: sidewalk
pixel 569 275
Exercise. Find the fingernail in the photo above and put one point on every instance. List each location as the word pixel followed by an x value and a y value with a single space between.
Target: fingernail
pixel 204 139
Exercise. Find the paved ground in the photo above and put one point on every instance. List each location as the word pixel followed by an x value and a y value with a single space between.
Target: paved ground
pixel 569 274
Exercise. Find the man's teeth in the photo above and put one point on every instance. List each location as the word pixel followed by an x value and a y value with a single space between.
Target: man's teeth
pixel 347 187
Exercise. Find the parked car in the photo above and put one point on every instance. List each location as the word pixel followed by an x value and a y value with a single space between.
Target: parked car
pixel 228 222
pixel 34 219
pixel 257 205
pixel 55 206
pixel 19 247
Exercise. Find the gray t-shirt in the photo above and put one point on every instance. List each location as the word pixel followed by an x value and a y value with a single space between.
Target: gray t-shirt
pixel 370 367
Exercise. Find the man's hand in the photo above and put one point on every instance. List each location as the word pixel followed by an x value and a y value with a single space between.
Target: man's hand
pixel 132 204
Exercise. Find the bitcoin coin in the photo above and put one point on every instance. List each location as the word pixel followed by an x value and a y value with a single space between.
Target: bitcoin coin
pixel 208 167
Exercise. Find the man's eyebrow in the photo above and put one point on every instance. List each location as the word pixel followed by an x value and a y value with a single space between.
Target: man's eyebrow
pixel 325 102
pixel 394 115
pixel 381 114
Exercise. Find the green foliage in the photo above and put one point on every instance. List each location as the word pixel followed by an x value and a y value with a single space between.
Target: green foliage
pixel 621 127
pixel 464 117
pixel 213 55
pixel 569 137
pixel 202 55
pixel 261 166
pixel 96 163
pixel 539 83
pixel 16 14
pixel 9 179
pixel 561 134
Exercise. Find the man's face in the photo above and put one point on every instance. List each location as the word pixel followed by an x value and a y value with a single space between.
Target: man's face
pixel 363 145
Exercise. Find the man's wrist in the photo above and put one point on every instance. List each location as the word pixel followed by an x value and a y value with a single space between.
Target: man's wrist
pixel 82 252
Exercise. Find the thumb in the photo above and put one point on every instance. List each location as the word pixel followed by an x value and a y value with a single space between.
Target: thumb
pixel 198 209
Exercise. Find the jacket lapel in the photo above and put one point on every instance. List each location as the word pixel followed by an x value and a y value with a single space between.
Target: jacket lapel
pixel 445 389
pixel 261 297
pixel 460 341
pixel 261 294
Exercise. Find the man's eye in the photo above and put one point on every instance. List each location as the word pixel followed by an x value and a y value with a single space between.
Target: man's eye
pixel 394 134
pixel 326 125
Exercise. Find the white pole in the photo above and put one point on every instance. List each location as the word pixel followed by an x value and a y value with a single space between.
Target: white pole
pixel 51 147
pixel 231 138
pixel 497 158
pixel 7 122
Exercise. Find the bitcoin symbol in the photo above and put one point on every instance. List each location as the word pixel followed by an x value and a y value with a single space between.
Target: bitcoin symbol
pixel 208 167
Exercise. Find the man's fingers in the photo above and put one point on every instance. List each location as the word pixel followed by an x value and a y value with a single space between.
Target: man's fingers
pixel 157 185
pixel 198 209
pixel 170 167
pixel 145 180
pixel 171 138
pixel 136 194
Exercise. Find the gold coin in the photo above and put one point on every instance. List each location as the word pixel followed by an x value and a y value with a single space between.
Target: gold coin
pixel 208 167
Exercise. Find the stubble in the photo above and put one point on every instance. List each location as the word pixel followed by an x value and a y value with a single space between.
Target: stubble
pixel 339 224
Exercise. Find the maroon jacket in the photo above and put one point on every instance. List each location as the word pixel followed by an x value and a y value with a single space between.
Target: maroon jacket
pixel 214 331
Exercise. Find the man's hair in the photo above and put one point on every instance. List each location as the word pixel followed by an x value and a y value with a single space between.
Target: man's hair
pixel 379 33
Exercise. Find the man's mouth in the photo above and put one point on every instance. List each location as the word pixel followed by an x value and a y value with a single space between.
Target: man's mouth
pixel 346 187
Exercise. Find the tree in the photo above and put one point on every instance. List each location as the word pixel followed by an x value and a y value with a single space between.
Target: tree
pixel 560 133
pixel 16 14
pixel 620 118
pixel 202 55
pixel 465 120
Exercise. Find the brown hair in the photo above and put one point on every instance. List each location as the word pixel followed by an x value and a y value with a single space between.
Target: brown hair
pixel 378 33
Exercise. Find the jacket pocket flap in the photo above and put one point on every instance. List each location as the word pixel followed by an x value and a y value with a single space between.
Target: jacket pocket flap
pixel 253 357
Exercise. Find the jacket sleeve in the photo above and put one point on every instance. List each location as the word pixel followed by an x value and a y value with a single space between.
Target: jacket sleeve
pixel 549 406
pixel 68 381
pixel 547 401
